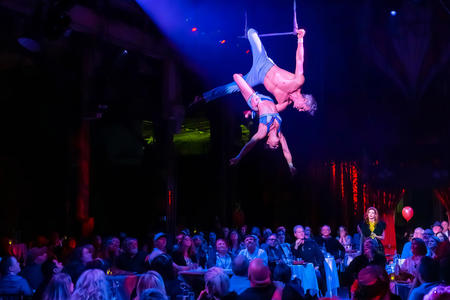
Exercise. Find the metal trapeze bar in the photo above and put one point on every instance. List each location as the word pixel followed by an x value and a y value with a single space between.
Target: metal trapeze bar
pixel 293 32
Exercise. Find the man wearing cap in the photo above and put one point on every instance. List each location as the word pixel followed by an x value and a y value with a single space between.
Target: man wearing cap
pixel 252 251
pixel 261 287
pixel 159 243
pixel 436 227
pixel 32 272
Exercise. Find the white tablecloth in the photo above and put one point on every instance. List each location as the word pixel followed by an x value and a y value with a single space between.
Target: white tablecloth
pixel 307 275
pixel 331 275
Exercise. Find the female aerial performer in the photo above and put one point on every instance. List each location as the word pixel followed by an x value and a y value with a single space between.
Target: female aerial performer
pixel 269 122
pixel 284 85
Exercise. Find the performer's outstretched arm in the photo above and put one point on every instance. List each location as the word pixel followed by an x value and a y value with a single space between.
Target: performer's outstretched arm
pixel 259 135
pixel 287 153
pixel 299 58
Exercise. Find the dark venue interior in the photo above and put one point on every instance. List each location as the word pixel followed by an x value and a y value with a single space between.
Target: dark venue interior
pixel 98 136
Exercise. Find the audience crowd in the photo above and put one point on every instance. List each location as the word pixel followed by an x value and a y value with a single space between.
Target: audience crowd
pixel 236 264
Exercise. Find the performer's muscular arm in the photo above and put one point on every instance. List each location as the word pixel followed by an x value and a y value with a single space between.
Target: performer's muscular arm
pixel 282 106
pixel 299 58
pixel 287 153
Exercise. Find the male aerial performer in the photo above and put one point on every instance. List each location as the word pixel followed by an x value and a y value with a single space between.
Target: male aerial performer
pixel 285 86
pixel 269 122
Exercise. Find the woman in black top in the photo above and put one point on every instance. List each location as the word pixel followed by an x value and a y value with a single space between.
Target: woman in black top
pixel 372 228
pixel 186 254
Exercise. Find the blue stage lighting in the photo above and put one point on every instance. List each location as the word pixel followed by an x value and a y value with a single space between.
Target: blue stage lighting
pixel 393 13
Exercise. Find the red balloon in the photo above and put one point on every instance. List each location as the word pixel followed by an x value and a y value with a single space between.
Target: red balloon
pixel 407 213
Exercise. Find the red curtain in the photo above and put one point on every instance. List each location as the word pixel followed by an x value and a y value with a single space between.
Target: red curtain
pixel 444 197
pixel 386 202
pixel 355 197
pixel 83 157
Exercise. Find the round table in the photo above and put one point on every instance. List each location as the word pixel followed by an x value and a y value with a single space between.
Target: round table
pixel 307 275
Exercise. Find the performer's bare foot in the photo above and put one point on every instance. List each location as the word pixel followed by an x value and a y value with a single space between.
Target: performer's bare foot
pixel 197 100
pixel 234 161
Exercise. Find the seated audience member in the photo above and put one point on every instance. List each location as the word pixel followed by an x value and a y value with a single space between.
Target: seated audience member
pixel 81 258
pixel 11 283
pixel 132 260
pixel 217 285
pixel 308 232
pixel 370 256
pixel 239 281
pixel 344 238
pixel 410 264
pixel 432 245
pixel 225 233
pixel 235 243
pixel 306 249
pixel 32 271
pixel 159 246
pixel 257 233
pixel 55 244
pixel 49 268
pixel 331 245
pixel 261 287
pixel 92 284
pixel 252 251
pixel 418 233
pixel 201 250
pixel 149 280
pixel 186 255
pixel 372 284
pixel 60 287
pixel 427 234
pixel 212 239
pixel 292 288
pixel 428 276
pixel 97 243
pixel 445 229
pixel 266 233
pixel 163 264
pixel 178 239
pixel 153 294
pixel 438 293
pixel 274 253
pixel 243 231
pixel 110 252
pixel 285 247
pixel 356 241
pixel 220 258
pixel 436 227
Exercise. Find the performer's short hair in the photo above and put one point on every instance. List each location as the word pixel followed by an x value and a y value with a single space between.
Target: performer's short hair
pixel 311 102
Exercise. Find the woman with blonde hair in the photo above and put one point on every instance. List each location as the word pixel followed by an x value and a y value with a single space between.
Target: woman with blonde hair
pixel 92 285
pixel 217 285
pixel 372 227
pixel 150 280
pixel 60 287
